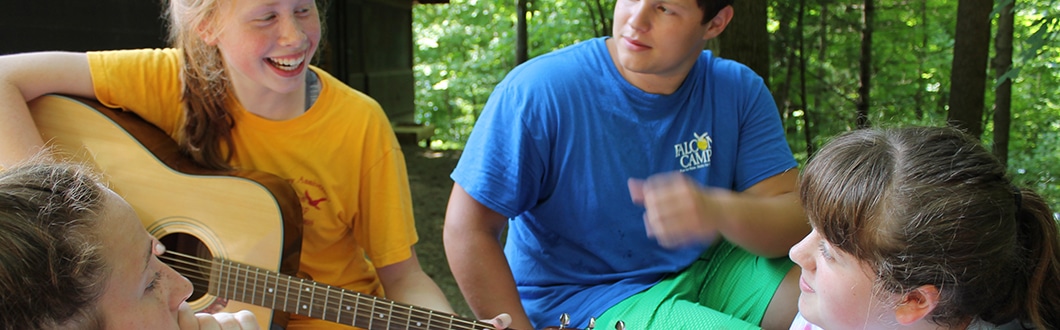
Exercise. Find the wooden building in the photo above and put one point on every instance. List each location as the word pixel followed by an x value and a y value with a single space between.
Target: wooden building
pixel 367 43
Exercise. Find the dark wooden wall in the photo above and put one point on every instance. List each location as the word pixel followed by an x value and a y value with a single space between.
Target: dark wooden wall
pixel 79 25
pixel 369 46
pixel 368 43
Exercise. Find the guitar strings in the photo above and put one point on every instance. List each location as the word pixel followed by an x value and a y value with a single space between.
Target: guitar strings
pixel 235 298
pixel 198 269
pixel 200 274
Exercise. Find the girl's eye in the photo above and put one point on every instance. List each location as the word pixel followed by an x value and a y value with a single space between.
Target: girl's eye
pixel 154 282
pixel 824 251
pixel 268 17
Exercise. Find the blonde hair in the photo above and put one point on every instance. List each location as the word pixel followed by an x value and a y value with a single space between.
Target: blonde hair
pixel 207 122
pixel 206 135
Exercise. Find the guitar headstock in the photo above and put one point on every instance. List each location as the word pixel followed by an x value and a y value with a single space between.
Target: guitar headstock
pixel 564 321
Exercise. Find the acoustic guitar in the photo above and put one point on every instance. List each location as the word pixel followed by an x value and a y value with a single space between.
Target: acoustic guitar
pixel 234 234
pixel 246 216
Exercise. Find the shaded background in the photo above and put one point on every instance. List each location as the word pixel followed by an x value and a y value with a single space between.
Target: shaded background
pixel 368 45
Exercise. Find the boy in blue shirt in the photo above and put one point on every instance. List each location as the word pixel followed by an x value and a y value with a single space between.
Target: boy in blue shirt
pixel 560 155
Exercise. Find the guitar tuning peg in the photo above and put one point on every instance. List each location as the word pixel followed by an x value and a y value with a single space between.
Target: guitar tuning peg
pixel 592 323
pixel 620 325
pixel 564 320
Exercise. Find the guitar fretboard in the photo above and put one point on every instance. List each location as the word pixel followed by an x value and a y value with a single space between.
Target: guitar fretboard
pixel 256 286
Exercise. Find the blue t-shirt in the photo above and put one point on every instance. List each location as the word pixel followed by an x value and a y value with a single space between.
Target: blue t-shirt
pixel 556 143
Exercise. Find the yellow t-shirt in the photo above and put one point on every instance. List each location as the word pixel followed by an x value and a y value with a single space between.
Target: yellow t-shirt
pixel 341 157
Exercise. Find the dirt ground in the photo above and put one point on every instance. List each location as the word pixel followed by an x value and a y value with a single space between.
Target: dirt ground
pixel 430 184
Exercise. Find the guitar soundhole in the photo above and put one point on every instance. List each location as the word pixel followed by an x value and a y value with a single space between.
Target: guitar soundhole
pixel 195 272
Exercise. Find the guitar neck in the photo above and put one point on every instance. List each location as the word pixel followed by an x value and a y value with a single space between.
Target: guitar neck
pixel 295 295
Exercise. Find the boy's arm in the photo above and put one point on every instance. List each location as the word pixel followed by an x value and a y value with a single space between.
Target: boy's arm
pixel 766 219
pixel 476 258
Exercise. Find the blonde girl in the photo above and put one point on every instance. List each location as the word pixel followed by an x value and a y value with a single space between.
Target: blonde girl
pixel 236 90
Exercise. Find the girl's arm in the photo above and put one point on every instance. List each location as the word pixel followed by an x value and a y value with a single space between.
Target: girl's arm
pixel 406 282
pixel 24 77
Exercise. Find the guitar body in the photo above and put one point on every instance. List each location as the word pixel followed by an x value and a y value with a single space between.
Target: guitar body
pixel 249 222
pixel 250 217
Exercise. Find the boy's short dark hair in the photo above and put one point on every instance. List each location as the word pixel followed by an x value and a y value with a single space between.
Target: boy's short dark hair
pixel 711 8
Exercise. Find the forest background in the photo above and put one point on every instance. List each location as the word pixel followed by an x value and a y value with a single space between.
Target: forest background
pixel 990 67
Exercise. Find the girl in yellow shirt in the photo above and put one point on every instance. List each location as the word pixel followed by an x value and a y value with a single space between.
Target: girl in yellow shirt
pixel 237 91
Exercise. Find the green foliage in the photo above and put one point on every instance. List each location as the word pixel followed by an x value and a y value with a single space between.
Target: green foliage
pixel 464 48
pixel 912 53
pixel 1034 151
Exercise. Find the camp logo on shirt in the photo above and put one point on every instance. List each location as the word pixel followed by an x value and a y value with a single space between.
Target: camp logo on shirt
pixel 694 153
pixel 312 195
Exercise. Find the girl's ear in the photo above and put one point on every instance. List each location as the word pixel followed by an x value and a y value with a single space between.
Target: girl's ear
pixel 207 32
pixel 917 304
pixel 209 28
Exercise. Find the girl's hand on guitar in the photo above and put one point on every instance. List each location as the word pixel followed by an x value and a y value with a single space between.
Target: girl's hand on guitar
pixel 502 321
pixel 242 320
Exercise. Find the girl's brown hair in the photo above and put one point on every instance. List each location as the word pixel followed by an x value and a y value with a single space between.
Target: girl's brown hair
pixel 931 206
pixel 52 272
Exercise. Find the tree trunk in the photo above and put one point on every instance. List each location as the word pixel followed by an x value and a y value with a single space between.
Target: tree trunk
pixel 1003 91
pixel 800 26
pixel 746 39
pixel 918 98
pixel 968 77
pixel 781 93
pixel 865 67
pixel 521 52
pixel 821 91
pixel 600 16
